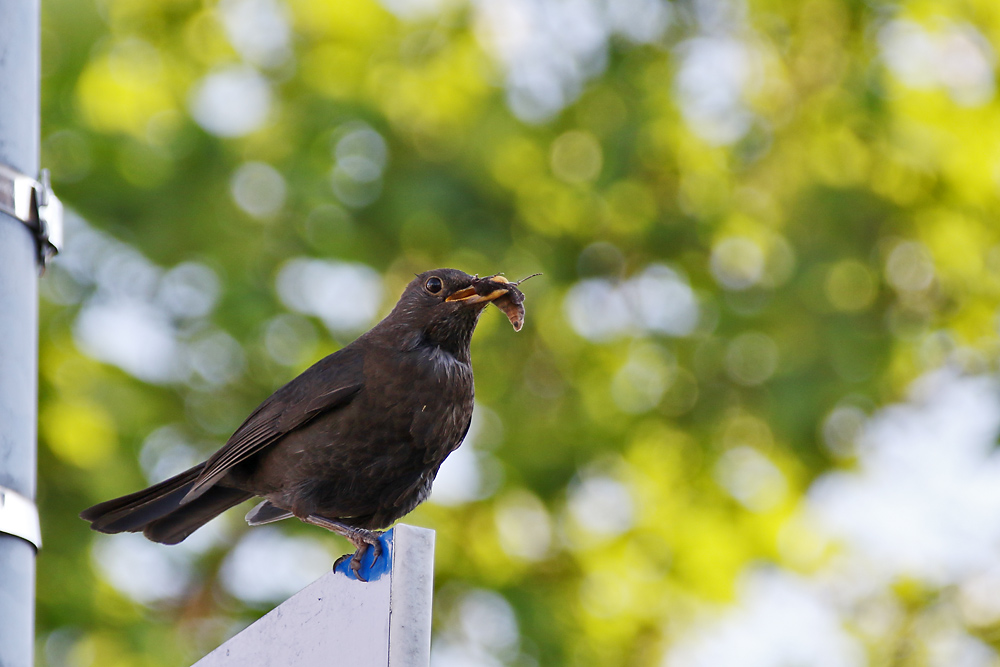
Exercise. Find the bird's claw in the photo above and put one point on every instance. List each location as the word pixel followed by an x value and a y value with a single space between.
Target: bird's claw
pixel 356 562
pixel 362 549
pixel 340 560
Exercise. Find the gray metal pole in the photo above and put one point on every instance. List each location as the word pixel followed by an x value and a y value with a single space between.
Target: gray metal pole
pixel 19 270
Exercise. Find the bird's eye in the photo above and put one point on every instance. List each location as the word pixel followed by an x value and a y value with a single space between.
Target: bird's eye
pixel 433 285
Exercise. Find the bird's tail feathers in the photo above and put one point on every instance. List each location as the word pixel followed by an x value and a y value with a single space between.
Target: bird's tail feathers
pixel 158 511
pixel 192 515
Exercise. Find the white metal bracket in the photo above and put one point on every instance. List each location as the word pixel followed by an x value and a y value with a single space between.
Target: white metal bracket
pixel 33 203
pixel 19 517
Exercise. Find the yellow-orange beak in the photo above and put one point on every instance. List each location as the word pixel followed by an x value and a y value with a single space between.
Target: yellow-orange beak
pixel 470 296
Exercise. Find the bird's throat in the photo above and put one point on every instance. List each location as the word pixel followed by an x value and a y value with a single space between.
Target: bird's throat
pixel 454 334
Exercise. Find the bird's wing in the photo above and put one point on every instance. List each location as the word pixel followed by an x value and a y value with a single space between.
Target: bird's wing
pixel 329 384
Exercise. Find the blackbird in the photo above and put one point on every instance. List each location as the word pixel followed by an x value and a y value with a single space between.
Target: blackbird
pixel 354 442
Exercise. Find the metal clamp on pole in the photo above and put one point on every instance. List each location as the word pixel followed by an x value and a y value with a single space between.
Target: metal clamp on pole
pixel 19 517
pixel 33 203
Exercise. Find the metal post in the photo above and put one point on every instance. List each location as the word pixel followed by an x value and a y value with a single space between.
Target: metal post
pixel 19 270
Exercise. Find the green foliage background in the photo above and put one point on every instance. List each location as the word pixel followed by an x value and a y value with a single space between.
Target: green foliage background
pixel 838 248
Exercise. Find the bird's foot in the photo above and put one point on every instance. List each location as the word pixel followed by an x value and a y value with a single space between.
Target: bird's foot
pixel 358 556
pixel 361 539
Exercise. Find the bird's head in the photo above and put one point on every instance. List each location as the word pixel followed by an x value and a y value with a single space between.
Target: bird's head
pixel 444 305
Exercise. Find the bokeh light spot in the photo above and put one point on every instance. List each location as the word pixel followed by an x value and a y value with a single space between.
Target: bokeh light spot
pixel 751 478
pixel 576 157
pixel 601 504
pixel 751 358
pixel 523 525
pixel 231 101
pixel 850 286
pixel 345 295
pixel 910 267
pixel 259 189
pixel 737 262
